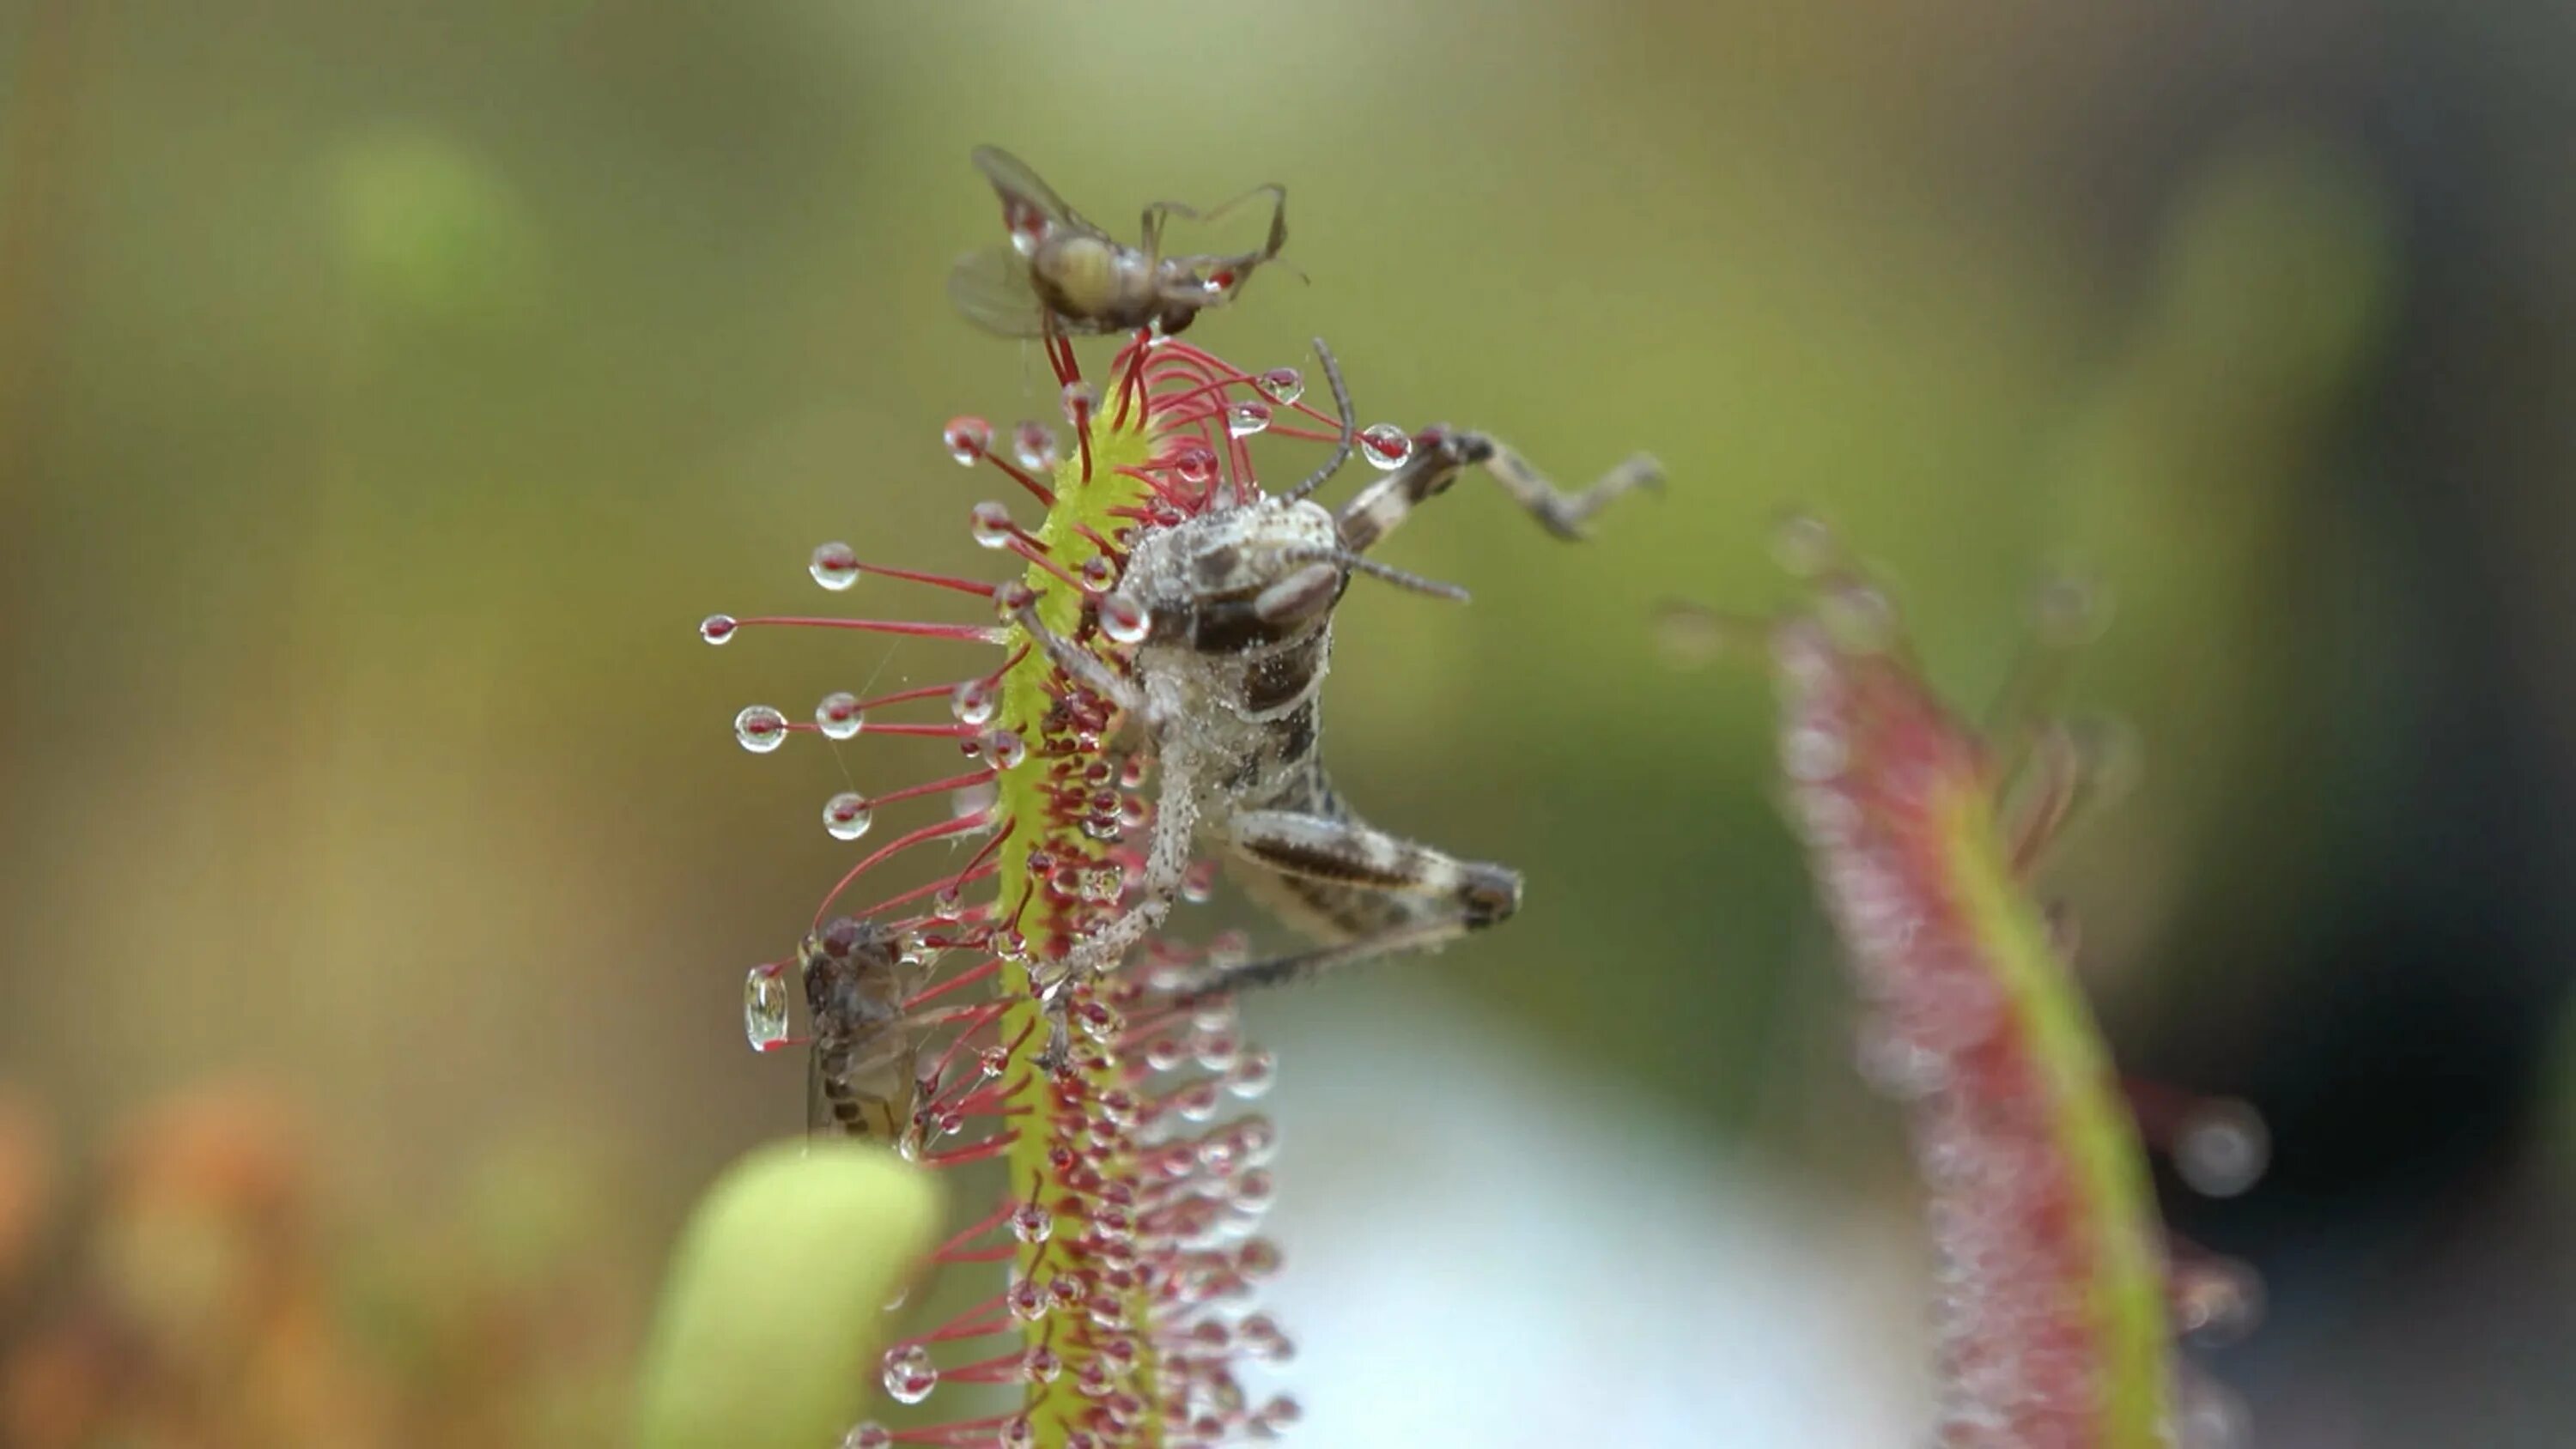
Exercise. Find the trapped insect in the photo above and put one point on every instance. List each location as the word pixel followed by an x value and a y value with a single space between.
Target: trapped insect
pixel 862 1078
pixel 1231 613
pixel 1061 275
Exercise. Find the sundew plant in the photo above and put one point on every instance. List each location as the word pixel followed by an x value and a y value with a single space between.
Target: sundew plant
pixel 1020 1013
pixel 2059 1296
pixel 1121 1256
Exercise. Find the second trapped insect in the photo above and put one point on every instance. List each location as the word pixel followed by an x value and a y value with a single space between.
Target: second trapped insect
pixel 1061 275
pixel 1231 614
pixel 863 1079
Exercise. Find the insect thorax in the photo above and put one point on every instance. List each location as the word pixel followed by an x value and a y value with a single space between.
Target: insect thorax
pixel 1240 690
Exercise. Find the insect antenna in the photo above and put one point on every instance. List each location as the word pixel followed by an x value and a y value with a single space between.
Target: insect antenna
pixel 1358 564
pixel 1350 430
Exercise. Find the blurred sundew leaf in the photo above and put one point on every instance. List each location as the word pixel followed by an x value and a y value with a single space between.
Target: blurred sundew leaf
pixel 775 1301
pixel 428 231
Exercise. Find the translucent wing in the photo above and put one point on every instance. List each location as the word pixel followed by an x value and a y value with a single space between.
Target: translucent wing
pixel 992 288
pixel 1018 184
pixel 820 1121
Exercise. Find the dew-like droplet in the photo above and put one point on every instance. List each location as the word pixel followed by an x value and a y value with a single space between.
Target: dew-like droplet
pixel 1859 618
pixel 764 1008
pixel 870 1435
pixel 991 525
pixel 1258 1258
pixel 1098 1020
pixel 1216 1049
pixel 1252 1074
pixel 1385 445
pixel 1124 620
pixel 1004 749
pixel 1197 1102
pixel 1803 545
pixel 1017 1432
pixel 839 717
pixel 1210 1335
pixel 1026 1301
pixel 1255 1140
pixel 1067 1290
pixel 1098 574
pixel 1028 224
pixel 1010 597
pixel 1199 881
pixel 1040 1365
pixel 909 1374
pixel 973 702
pixel 1254 1191
pixel 1811 754
pixel 967 439
pixel 1246 418
pixel 760 728
pixel 718 628
pixel 2222 1148
pixel 1031 1223
pixel 2070 612
pixel 1282 1410
pixel 847 815
pixel 1079 401
pixel 2210 1415
pixel 969 801
pixel 1033 443
pixel 1282 385
pixel 1195 464
pixel 2214 1301
pixel 835 566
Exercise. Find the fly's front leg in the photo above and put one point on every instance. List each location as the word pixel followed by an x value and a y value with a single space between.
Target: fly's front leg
pixel 1081 665
pixel 1167 863
pixel 1168 860
pixel 1160 212
pixel 1440 455
pixel 1402 896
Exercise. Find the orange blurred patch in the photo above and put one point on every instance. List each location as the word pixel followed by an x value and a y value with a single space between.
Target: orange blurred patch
pixel 26 1182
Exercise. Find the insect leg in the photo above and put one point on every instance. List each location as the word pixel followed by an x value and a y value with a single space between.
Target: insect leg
pixel 1161 211
pixel 1441 455
pixel 1167 862
pixel 1399 896
pixel 1150 230
pixel 1350 425
pixel 1081 665
pixel 1306 965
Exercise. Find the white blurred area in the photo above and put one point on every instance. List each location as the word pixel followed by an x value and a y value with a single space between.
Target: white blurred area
pixel 1483 1248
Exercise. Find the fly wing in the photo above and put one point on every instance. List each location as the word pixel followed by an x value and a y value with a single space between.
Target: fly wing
pixel 991 287
pixel 1017 183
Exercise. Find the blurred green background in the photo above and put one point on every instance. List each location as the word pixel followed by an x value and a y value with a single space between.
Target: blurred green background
pixel 387 388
